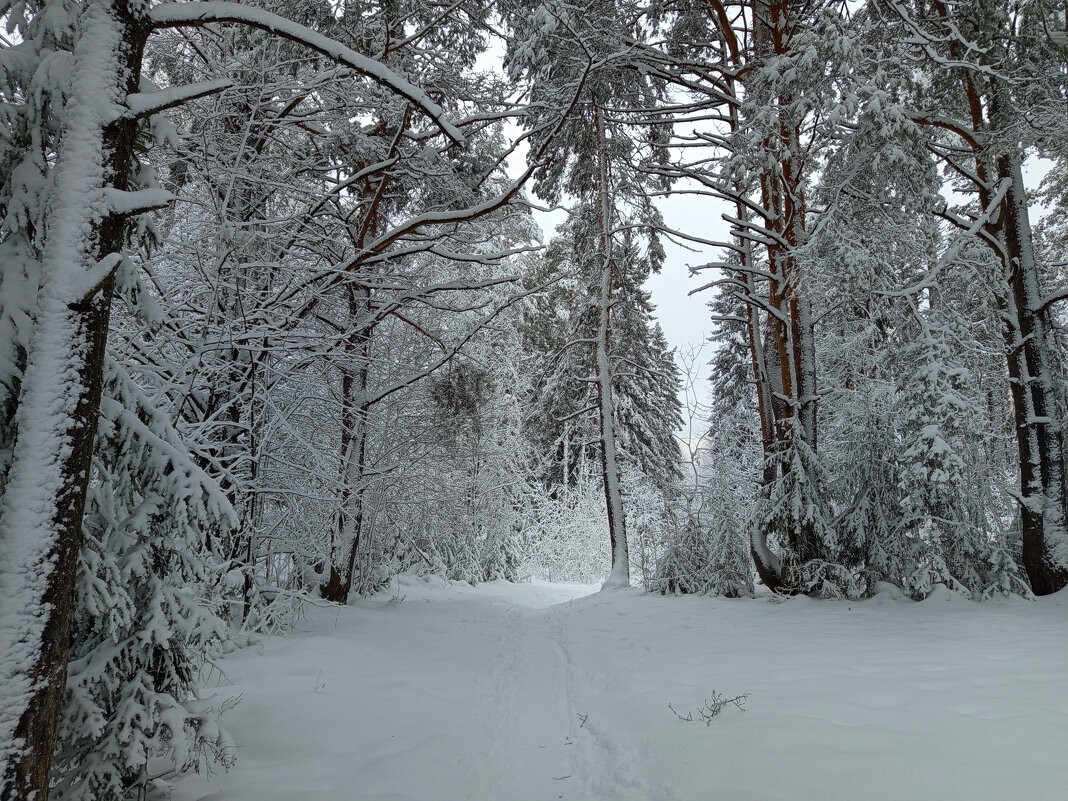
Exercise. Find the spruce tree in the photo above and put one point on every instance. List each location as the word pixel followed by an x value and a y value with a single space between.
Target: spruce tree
pixel 143 626
pixel 589 96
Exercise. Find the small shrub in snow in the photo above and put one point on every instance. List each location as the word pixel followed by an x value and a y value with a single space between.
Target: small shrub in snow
pixel 828 580
pixel 704 563
pixel 712 706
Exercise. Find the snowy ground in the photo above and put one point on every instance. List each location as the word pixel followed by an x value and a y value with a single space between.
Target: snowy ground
pixel 532 692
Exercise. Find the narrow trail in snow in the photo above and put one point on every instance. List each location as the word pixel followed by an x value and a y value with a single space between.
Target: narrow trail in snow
pixel 528 727
pixel 542 746
pixel 607 765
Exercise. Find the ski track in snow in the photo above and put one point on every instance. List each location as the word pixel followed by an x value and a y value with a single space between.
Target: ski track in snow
pixel 607 762
pixel 526 714
pixel 493 693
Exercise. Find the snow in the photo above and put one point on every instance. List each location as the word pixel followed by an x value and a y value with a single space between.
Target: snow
pixel 143 104
pixel 136 202
pixel 535 691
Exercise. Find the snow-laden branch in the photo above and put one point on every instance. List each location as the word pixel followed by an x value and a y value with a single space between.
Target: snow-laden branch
pixel 124 203
pixel 746 229
pixel 746 296
pixel 936 47
pixel 568 417
pixel 179 15
pixel 142 104
pixel 1050 299
pixel 951 254
pixel 445 217
pixel 97 275
pixel 444 359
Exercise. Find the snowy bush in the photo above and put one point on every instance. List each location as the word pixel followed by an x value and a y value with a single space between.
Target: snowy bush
pixel 712 562
pixel 567 536
pixel 828 580
pixel 142 627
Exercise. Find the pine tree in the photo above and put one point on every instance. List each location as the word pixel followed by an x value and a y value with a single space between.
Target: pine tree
pixel 767 81
pixel 560 329
pixel 67 186
pixel 990 74
pixel 950 537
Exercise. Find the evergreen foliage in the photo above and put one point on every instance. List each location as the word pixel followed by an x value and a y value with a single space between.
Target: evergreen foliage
pixel 143 625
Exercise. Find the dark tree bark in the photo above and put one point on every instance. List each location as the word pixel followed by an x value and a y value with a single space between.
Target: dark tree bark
pixel 1030 349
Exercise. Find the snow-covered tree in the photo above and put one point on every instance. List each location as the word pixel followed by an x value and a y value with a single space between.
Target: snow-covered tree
pixel 708 550
pixel 992 71
pixel 72 185
pixel 589 98
pixel 760 92
pixel 560 329
pixel 142 628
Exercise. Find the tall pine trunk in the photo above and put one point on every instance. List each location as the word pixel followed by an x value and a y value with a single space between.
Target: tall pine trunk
pixel 1030 349
pixel 786 356
pixel 617 527
pixel 55 424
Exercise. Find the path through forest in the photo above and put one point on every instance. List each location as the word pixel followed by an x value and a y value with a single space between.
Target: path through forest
pixel 532 692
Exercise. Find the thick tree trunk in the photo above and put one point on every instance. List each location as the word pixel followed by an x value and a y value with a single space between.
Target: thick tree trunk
pixel 617 530
pixel 1029 346
pixel 42 519
pixel 768 565
pixel 1030 352
pixel 769 351
pixel 787 388
pixel 44 501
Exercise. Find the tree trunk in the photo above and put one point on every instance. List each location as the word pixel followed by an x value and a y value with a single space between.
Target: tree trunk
pixel 1030 352
pixel 619 576
pixel 44 501
pixel 767 350
pixel 353 466
pixel 787 389
pixel 1029 347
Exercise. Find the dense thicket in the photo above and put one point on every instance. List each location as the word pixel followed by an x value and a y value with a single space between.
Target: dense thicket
pixel 276 323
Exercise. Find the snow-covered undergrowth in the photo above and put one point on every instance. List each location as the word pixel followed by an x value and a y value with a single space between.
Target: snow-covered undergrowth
pixel 532 692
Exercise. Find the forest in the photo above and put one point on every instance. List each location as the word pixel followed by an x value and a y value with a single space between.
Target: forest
pixel 279 325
